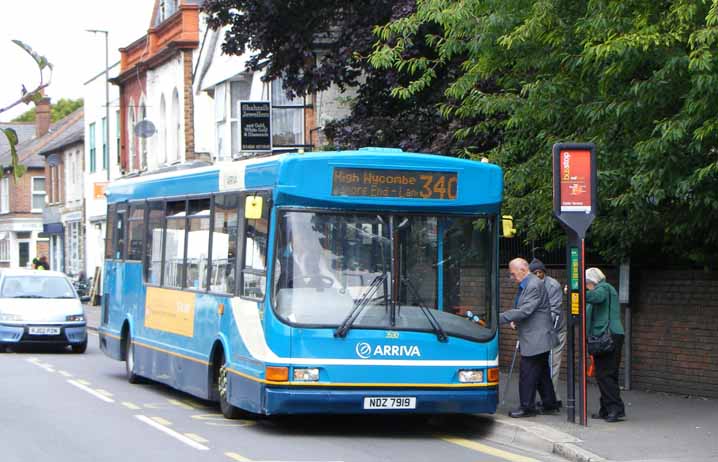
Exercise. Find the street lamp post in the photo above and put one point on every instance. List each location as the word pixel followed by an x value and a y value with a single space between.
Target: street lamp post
pixel 107 98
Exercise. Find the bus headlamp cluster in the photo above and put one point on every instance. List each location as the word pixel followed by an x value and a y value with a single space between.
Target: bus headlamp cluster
pixel 471 375
pixel 74 318
pixel 306 374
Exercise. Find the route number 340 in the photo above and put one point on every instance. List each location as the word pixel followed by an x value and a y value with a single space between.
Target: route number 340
pixel 438 187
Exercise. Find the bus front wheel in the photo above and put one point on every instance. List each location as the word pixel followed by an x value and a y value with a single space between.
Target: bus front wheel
pixel 228 410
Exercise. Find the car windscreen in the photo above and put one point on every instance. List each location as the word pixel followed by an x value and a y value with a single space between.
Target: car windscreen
pixel 36 287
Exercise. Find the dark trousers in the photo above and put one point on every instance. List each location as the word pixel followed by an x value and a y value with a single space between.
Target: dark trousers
pixel 536 376
pixel 607 378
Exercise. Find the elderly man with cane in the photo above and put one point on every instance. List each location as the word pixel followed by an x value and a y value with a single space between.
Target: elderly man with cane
pixel 532 316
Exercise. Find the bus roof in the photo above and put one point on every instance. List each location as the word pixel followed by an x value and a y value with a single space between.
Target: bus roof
pixel 363 179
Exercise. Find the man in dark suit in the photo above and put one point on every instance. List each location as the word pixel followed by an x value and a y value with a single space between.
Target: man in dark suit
pixel 532 315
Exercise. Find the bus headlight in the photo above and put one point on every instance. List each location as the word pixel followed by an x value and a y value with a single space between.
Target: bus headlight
pixel 306 375
pixel 74 318
pixel 471 376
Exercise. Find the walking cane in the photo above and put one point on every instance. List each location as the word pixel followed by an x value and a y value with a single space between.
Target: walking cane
pixel 511 370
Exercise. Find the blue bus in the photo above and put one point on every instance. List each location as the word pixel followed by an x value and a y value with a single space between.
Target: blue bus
pixel 333 282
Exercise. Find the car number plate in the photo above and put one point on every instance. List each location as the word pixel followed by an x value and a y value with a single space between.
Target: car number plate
pixel 401 402
pixel 44 331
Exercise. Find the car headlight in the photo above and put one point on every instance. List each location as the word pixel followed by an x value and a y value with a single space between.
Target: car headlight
pixel 471 376
pixel 75 317
pixel 10 317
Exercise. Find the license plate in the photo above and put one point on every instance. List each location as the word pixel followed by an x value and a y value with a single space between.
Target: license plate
pixel 44 331
pixel 390 403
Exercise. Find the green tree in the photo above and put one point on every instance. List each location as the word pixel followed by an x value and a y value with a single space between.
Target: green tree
pixel 61 109
pixel 637 77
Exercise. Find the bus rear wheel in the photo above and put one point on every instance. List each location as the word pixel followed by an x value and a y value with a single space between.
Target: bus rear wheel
pixel 229 411
pixel 130 360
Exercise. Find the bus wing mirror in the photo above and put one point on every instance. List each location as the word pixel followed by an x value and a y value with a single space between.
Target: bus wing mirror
pixel 253 207
pixel 507 225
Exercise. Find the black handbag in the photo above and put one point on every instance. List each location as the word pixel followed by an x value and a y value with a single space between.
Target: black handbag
pixel 602 343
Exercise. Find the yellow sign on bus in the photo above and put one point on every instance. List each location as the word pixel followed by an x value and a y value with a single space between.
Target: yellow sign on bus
pixel 170 311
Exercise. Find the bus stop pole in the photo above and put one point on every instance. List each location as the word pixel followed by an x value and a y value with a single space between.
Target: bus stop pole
pixel 570 347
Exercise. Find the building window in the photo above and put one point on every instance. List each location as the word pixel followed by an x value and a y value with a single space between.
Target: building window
pixel 130 135
pixel 5 247
pixel 117 131
pixel 38 193
pixel 228 95
pixel 54 193
pixel 5 195
pixel 287 118
pixel 105 154
pixel 287 115
pixel 166 8
pixel 143 140
pixel 163 130
pixel 93 150
pixel 175 128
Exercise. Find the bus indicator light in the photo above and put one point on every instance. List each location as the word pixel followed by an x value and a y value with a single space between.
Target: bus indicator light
pixel 276 373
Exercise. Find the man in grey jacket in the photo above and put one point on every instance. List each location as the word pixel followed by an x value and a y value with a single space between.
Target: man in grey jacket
pixel 532 315
pixel 558 319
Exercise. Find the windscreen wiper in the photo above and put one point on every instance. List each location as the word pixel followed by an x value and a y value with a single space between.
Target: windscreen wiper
pixel 440 334
pixel 359 305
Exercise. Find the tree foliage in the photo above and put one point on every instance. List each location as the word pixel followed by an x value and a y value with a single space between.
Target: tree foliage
pixel 61 109
pixel 637 77
pixel 314 44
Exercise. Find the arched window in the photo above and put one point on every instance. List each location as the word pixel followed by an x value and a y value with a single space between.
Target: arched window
pixel 175 127
pixel 131 122
pixel 163 131
pixel 143 142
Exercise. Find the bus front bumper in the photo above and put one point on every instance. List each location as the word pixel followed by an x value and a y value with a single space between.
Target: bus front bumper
pixel 338 401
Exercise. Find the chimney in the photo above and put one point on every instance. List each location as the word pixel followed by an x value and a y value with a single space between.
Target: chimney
pixel 42 116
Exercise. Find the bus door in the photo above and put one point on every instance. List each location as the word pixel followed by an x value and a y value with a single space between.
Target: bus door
pixel 115 252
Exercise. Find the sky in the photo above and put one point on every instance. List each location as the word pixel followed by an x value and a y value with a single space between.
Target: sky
pixel 56 29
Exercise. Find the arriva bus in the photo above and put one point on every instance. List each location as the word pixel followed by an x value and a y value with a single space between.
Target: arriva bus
pixel 334 282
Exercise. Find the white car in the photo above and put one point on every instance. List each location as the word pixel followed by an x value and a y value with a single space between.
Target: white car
pixel 40 307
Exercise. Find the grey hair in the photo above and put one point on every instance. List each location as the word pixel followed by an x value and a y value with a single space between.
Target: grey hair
pixel 595 276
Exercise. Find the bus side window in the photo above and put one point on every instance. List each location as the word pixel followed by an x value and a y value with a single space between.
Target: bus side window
pixel 174 242
pixel 120 250
pixel 254 267
pixel 224 243
pixel 110 231
pixel 135 230
pixel 197 244
pixel 153 247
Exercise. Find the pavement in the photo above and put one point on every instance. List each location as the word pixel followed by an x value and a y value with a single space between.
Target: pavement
pixel 659 427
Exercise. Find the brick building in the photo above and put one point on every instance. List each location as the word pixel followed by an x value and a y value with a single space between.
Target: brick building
pixel 22 201
pixel 63 214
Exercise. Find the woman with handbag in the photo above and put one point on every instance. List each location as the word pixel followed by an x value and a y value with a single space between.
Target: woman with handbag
pixel 604 332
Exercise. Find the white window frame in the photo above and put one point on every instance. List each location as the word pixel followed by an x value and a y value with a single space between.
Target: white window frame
pixel 5 254
pixel 35 192
pixel 5 195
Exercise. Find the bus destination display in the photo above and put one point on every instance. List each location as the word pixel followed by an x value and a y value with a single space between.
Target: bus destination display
pixel 406 184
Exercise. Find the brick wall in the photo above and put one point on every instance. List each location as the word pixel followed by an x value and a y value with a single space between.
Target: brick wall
pixel 21 192
pixel 675 346
pixel 188 106
pixel 674 319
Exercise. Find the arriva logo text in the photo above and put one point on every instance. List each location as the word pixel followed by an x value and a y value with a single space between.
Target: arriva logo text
pixel 365 350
